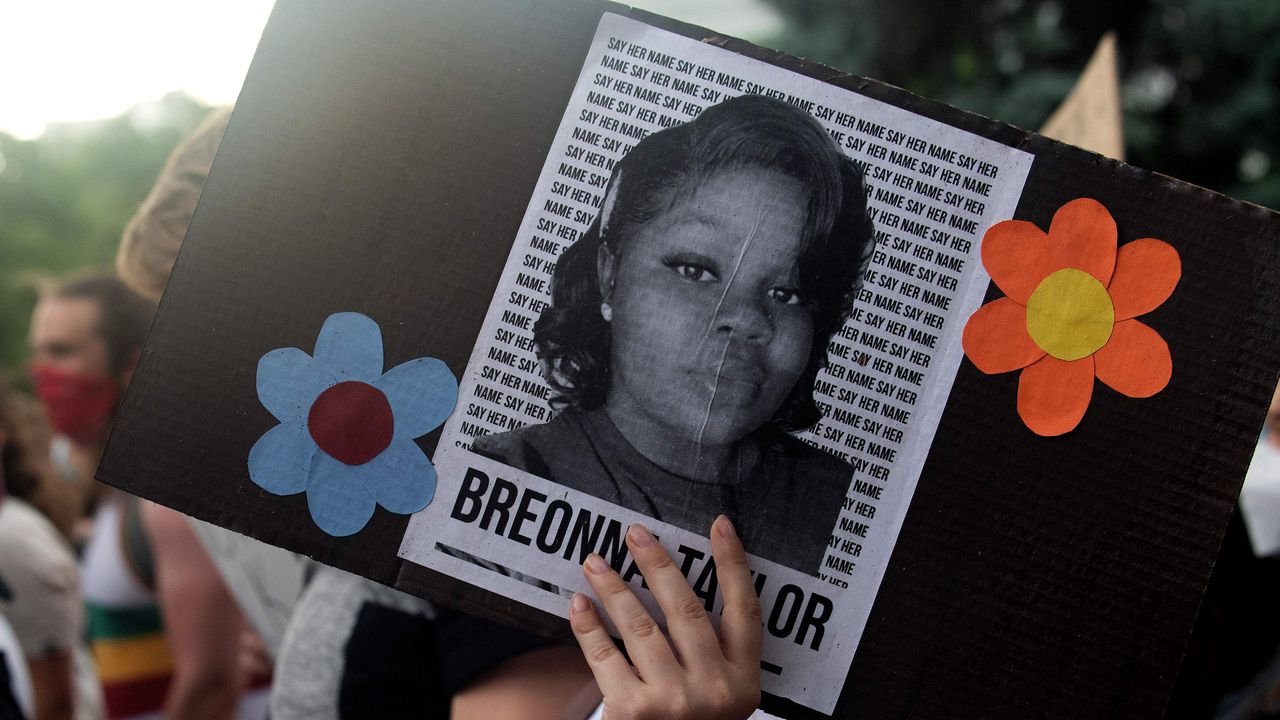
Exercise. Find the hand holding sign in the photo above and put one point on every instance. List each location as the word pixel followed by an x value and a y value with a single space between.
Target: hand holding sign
pixel 694 674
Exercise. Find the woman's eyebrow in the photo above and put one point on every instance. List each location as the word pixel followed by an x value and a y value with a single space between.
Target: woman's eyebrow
pixel 699 216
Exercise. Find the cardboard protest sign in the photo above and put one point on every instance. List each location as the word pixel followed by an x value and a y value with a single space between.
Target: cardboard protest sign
pixel 472 288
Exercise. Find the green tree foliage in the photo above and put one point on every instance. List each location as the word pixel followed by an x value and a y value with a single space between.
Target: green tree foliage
pixel 1201 78
pixel 66 196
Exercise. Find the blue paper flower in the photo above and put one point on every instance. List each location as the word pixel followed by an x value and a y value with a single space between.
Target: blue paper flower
pixel 346 429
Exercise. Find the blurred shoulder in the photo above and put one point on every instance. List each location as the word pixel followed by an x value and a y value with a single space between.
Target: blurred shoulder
pixel 29 539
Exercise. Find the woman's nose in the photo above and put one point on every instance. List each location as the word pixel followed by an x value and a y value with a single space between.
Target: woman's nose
pixel 744 317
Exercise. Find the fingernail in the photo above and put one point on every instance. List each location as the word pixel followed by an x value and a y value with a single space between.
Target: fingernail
pixel 580 604
pixel 724 526
pixel 641 537
pixel 596 564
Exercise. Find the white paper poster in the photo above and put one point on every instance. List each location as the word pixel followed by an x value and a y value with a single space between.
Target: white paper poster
pixel 715 344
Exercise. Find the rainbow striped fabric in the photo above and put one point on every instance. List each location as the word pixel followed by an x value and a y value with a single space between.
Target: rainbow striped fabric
pixel 133 660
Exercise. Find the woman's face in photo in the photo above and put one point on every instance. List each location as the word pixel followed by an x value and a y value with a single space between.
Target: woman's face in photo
pixel 710 331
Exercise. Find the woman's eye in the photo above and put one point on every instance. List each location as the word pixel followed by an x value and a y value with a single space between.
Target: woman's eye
pixel 786 296
pixel 694 272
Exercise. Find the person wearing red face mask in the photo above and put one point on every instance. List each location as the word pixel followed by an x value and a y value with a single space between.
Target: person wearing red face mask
pixel 85 338
pixel 162 627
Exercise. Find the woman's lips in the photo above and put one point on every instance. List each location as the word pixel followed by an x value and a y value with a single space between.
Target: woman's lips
pixel 736 379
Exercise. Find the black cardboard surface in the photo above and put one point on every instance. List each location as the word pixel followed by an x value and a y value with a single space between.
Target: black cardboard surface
pixel 380 160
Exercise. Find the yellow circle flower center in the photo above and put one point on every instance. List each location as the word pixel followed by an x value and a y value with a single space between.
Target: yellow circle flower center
pixel 1070 315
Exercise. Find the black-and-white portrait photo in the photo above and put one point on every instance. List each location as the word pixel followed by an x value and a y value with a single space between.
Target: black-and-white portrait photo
pixel 688 324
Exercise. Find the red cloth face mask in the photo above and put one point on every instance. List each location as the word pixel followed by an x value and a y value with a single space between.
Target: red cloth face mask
pixel 79 405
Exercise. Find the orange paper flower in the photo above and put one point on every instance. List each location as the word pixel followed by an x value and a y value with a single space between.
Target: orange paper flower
pixel 1069 313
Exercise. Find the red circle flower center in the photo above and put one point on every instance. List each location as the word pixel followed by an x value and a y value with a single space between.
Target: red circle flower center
pixel 352 422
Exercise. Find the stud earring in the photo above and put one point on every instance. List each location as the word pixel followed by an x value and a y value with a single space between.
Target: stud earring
pixel 606 311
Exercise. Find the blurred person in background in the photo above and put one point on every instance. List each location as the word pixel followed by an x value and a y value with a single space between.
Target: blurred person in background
pixel 59 496
pixel 163 629
pixel 85 337
pixel 86 334
pixel 42 583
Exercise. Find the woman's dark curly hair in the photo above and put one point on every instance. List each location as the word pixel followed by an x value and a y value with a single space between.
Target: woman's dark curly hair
pixel 755 131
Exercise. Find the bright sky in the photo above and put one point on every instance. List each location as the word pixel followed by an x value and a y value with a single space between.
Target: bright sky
pixel 75 60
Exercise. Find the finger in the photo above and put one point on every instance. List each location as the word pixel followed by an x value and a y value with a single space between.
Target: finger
pixel 648 647
pixel 612 671
pixel 740 627
pixel 691 632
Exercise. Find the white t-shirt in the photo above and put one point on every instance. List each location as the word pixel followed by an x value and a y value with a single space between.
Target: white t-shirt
pixel 19 679
pixel 46 609
pixel 1260 499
